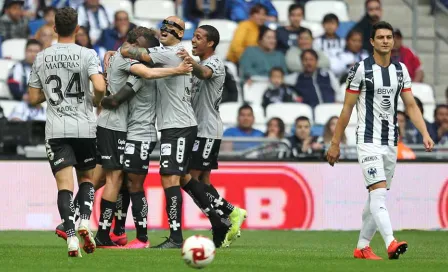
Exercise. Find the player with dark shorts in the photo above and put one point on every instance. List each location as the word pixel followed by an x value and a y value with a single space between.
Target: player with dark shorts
pixel 177 122
pixel 61 76
pixel 206 93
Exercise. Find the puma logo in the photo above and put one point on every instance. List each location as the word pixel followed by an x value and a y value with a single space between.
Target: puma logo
pixel 370 80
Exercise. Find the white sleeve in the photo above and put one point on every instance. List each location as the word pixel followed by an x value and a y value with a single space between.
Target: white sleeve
pixel 407 82
pixel 354 78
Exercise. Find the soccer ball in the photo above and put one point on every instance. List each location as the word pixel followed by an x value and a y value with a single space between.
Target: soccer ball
pixel 198 251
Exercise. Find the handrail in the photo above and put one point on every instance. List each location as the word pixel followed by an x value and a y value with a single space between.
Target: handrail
pixel 413 5
pixel 440 8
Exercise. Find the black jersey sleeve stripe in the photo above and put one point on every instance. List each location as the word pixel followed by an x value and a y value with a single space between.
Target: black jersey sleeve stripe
pixel 351 75
pixel 369 97
pixel 399 70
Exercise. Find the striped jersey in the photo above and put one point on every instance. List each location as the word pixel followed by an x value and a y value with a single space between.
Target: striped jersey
pixel 331 47
pixel 378 88
pixel 63 72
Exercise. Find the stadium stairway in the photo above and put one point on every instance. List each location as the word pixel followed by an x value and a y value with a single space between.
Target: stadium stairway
pixel 399 15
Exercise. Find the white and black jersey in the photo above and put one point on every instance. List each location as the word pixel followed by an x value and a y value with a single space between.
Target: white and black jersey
pixel 331 47
pixel 378 88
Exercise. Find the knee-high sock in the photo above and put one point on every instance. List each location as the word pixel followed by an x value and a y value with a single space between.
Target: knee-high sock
pixel 173 198
pixel 85 196
pixel 140 214
pixel 381 215
pixel 121 212
pixel 368 227
pixel 67 211
pixel 222 206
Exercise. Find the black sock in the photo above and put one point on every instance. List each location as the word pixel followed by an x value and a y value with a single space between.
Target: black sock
pixel 140 214
pixel 85 197
pixel 173 198
pixel 67 211
pixel 123 201
pixel 221 205
pixel 197 191
pixel 107 211
pixel 76 203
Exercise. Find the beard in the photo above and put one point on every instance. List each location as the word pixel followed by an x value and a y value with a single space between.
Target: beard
pixel 374 18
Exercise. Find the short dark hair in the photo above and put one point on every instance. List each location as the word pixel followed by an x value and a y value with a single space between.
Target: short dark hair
pixel 419 104
pixel 381 25
pixel 293 7
pixel 120 11
pixel 310 51
pixel 33 42
pixel 368 1
pixel 330 17
pixel 302 118
pixel 212 34
pixel 305 30
pixel 263 31
pixel 276 69
pixel 146 33
pixel 353 32
pixel 438 107
pixel 49 9
pixel 257 8
pixel 245 107
pixel 66 20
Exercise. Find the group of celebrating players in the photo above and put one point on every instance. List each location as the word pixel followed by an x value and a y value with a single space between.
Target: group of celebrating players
pixel 145 82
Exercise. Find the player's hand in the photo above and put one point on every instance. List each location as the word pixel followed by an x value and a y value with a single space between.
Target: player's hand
pixel 185 56
pixel 185 67
pixel 107 57
pixel 333 154
pixel 428 143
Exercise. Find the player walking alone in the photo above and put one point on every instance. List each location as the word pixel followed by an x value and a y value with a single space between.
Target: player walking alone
pixel 374 85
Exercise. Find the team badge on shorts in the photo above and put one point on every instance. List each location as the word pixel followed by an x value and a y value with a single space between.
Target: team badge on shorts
pixel 372 172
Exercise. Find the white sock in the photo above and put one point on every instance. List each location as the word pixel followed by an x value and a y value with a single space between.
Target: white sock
pixel 381 215
pixel 84 223
pixel 368 227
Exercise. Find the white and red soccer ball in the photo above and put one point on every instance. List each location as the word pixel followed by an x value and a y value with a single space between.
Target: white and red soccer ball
pixel 198 251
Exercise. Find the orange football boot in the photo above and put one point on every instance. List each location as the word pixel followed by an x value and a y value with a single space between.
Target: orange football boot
pixel 396 248
pixel 365 253
pixel 120 240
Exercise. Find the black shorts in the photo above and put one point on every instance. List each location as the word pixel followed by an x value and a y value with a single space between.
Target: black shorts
pixel 205 154
pixel 77 152
pixel 175 150
pixel 136 156
pixel 110 145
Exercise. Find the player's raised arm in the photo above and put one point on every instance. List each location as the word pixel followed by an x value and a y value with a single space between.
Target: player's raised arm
pixel 131 51
pixel 200 71
pixel 153 73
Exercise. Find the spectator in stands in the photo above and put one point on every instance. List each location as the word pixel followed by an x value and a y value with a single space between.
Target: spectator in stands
pixel 373 15
pixel 259 60
pixel 278 91
pixel 230 89
pixel 440 124
pixel 403 151
pixel 45 35
pixel 13 25
pixel 287 35
pixel 194 10
pixel 67 3
pixel 275 129
pixel 113 38
pixel 302 144
pixel 408 57
pixel 83 39
pixel 247 33
pixel 330 43
pixel 304 41
pixel 402 120
pixel 353 53
pixel 48 14
pixel 240 10
pixel 329 129
pixel 20 72
pixel 33 9
pixel 316 85
pixel 95 18
pixel 24 112
pixel 246 120
pixel 412 135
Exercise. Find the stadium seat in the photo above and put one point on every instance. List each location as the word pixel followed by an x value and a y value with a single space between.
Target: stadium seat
pixel 222 49
pixel 424 92
pixel 155 10
pixel 344 28
pixel 282 9
pixel 323 112
pixel 144 23
pixel 226 28
pixel 350 133
pixel 229 113
pixel 316 10
pixel 14 49
pixel 291 79
pixel 5 65
pixel 189 30
pixel 4 91
pixel 116 5
pixel 428 112
pixel 8 106
pixel 316 28
pixel 253 93
pixel 288 112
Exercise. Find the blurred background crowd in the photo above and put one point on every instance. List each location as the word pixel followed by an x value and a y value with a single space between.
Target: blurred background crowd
pixel 286 62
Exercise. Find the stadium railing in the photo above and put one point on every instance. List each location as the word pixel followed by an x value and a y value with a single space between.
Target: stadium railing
pixel 413 5
pixel 441 34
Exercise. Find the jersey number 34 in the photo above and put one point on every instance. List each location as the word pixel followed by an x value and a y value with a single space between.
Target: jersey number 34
pixel 74 80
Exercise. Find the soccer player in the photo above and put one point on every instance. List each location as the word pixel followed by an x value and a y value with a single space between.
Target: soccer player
pixel 112 126
pixel 60 75
pixel 374 85
pixel 177 122
pixel 206 93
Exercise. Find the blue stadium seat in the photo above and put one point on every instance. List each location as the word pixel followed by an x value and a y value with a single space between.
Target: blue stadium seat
pixel 35 25
pixel 344 28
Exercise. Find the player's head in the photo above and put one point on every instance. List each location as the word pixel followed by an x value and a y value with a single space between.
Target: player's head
pixel 382 38
pixel 246 117
pixel 309 60
pixel 13 9
pixel 258 14
pixel 374 10
pixel 205 40
pixel 33 47
pixel 303 127
pixel 172 31
pixel 66 22
pixel 295 15
pixel 330 23
pixel 143 37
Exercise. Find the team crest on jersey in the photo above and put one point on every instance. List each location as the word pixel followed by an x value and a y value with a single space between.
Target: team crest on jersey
pixel 372 172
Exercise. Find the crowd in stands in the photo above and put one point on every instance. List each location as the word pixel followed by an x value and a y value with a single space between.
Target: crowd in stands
pixel 262 49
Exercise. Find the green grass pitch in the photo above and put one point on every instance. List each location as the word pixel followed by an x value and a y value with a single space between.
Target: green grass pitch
pixel 276 251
